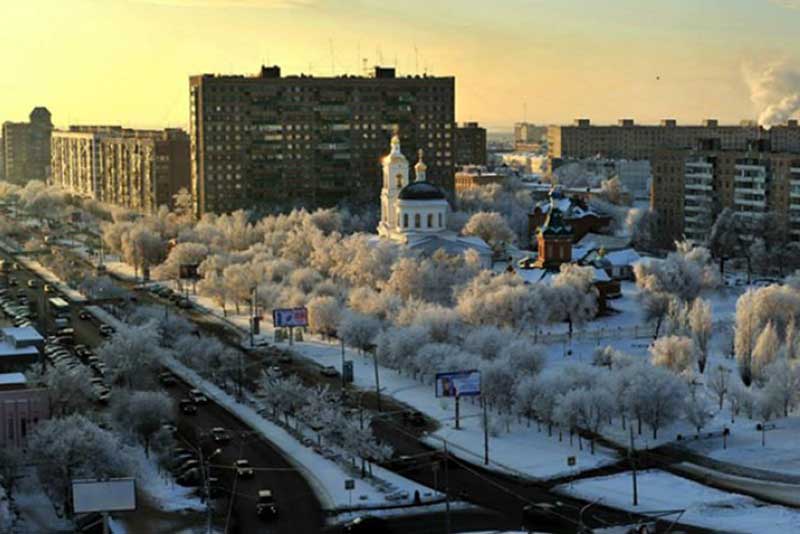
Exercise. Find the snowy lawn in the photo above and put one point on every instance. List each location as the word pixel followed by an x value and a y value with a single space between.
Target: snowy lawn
pixel 159 487
pixel 704 506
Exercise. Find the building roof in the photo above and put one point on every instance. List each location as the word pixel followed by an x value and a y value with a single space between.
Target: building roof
pixel 421 191
pixel 450 242
pixel 9 350
pixel 555 225
pixel 608 242
pixel 12 379
pixel 25 334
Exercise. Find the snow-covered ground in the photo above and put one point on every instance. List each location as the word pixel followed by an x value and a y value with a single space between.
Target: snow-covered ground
pixel 159 487
pixel 36 510
pixel 703 506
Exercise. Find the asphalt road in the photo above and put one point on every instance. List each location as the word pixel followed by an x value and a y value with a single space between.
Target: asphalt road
pixel 300 510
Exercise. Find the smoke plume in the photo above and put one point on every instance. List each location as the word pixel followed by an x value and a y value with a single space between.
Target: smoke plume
pixel 775 91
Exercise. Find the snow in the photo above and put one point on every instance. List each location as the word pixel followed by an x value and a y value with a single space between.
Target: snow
pixel 159 487
pixel 703 506
pixel 35 508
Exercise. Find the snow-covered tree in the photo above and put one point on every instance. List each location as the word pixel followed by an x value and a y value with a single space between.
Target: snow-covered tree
pixel 491 227
pixel 723 239
pixel 697 412
pixel 765 351
pixel 745 335
pixel 68 390
pixel 73 447
pixel 657 397
pixel 673 352
pixel 143 413
pixel 610 357
pixel 523 357
pixel 592 409
pixel 612 190
pixel 497 384
pixel 783 383
pixel 131 353
pixel 359 331
pixel 574 297
pixel 486 341
pixel 324 314
pixel 502 300
pixel 701 325
pixel 718 382
pixel 767 406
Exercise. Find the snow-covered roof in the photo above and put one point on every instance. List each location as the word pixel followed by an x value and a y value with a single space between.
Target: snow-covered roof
pixel 624 257
pixel 601 276
pixel 608 242
pixel 12 379
pixel 24 334
pixel 9 350
pixel 450 242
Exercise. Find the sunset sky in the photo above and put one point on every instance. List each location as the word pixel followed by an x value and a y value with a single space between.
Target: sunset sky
pixel 128 61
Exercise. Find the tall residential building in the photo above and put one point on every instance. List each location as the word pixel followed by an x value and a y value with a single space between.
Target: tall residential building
pixel 136 169
pixel 269 140
pixel 628 140
pixel 26 147
pixel 470 144
pixel 691 187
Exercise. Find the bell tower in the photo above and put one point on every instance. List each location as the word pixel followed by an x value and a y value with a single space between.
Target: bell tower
pixel 395 177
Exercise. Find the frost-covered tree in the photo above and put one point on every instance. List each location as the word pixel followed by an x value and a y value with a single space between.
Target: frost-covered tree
pixel 592 408
pixel 745 335
pixel 766 406
pixel 701 325
pixel 68 390
pixel 673 352
pixel 723 239
pixel 324 314
pixel 525 392
pixel 612 190
pixel 523 357
pixel 359 331
pixel 574 297
pixel 502 300
pixel 610 357
pixel 132 354
pixel 697 412
pixel 486 341
pixel 491 227
pixel 765 351
pixel 497 384
pixel 783 383
pixel 718 383
pixel 73 447
pixel 143 413
pixel 656 397
pixel 381 304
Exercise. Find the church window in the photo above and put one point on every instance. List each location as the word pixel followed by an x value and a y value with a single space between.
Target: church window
pixel 430 220
pixel 405 220
pixel 398 219
pixel 417 220
pixel 399 180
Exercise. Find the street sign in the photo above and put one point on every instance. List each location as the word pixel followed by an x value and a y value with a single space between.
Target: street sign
pixel 347 371
pixel 349 484
pixel 571 461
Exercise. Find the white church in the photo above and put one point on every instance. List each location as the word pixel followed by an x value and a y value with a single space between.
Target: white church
pixel 415 213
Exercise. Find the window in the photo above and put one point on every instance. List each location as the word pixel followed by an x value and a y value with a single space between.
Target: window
pixel 417 220
pixel 405 220
pixel 440 220
pixel 430 220
pixel 399 180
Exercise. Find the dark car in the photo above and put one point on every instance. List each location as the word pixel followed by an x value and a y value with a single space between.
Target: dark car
pixel 187 407
pixel 106 330
pixel 167 379
pixel 265 505
pixel 220 435
pixel 84 316
pixel 366 524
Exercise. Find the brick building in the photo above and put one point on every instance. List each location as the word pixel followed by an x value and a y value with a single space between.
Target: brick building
pixel 26 147
pixel 136 169
pixel 276 140
pixel 21 409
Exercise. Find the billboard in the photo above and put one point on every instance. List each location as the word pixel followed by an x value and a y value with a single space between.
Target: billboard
pixel 458 384
pixel 290 317
pixel 113 495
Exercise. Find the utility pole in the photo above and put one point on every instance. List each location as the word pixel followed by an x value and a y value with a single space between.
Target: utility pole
pixel 633 469
pixel 485 433
pixel 446 490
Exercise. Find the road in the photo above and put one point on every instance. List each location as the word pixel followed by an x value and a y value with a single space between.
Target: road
pixel 505 495
pixel 300 510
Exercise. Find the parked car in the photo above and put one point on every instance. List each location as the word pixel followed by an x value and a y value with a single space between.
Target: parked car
pixel 48 288
pixel 265 505
pixel 284 358
pixel 167 379
pixel 329 371
pixel 191 478
pixel 184 303
pixel 220 435
pixel 33 283
pixel 84 316
pixel 106 330
pixel 12 281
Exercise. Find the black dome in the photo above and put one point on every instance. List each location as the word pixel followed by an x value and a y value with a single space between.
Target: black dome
pixel 421 191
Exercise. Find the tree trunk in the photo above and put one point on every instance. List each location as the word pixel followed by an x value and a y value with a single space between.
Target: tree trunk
pixel 655 432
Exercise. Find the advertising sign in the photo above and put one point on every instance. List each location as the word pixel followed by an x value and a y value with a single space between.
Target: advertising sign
pixel 114 495
pixel 458 384
pixel 290 317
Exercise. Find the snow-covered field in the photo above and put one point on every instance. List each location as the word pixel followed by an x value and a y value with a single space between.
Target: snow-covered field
pixel 702 506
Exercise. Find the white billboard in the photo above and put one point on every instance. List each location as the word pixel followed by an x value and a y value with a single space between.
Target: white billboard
pixel 458 384
pixel 112 495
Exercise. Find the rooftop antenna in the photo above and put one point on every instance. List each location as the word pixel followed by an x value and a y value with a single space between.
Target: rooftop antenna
pixel 333 63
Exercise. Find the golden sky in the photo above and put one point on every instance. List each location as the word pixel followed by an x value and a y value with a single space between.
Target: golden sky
pixel 128 61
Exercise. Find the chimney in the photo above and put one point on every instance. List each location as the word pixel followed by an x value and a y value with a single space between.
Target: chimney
pixel 625 122
pixel 582 122
pixel 792 123
pixel 669 123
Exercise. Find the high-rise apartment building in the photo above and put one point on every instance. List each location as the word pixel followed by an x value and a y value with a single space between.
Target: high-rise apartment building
pixel 470 144
pixel 136 169
pixel 26 147
pixel 269 140
pixel 691 187
pixel 628 140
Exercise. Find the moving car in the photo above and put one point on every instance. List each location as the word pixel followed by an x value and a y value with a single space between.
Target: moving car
pixel 167 379
pixel 84 316
pixel 198 396
pixel 188 407
pixel 243 469
pixel 265 505
pixel 220 435
pixel 48 288
pixel 329 371
pixel 33 282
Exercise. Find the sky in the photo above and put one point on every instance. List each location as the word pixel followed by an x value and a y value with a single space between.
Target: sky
pixel 548 61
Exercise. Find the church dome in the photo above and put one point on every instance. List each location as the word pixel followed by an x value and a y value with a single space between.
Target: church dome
pixel 421 191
